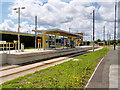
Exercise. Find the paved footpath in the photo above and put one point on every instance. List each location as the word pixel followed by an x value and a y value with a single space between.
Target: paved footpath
pixel 107 74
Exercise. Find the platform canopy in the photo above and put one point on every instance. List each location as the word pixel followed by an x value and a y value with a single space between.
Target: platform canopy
pixel 59 33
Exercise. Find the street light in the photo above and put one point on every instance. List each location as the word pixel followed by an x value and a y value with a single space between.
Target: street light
pixel 115 26
pixel 93 26
pixel 18 11
pixel 104 36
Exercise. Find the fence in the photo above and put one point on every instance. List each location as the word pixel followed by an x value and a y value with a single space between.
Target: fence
pixel 6 45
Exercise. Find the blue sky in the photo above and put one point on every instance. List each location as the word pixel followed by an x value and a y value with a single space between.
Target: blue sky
pixel 6 11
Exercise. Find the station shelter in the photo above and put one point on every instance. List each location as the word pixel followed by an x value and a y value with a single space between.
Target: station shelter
pixel 56 38
pixel 80 40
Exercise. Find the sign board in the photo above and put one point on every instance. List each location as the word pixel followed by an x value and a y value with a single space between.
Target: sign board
pixel 15 41
pixel 39 40
pixel 2 41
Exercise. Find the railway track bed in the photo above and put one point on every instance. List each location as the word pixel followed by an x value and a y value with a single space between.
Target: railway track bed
pixel 11 72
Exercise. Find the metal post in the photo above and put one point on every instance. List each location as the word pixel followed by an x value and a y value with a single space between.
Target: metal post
pixel 63 42
pixel 93 27
pixel 18 29
pixel 18 25
pixel 104 36
pixel 6 47
pixel 3 47
pixel 35 32
pixel 43 41
pixel 9 48
pixel 69 29
pixel 107 39
pixel 15 47
pixel 40 45
pixel 91 38
pixel 77 42
pixel 115 26
pixel 55 41
pixel 48 41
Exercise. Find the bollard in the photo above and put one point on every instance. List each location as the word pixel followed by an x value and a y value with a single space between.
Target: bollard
pixel 15 47
pixel 40 46
pixel 6 47
pixel 22 47
pixel 9 48
pixel 3 47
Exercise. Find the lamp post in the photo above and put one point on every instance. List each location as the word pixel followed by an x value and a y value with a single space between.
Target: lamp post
pixel 18 11
pixel 93 27
pixel 69 29
pixel 91 39
pixel 35 32
pixel 115 26
pixel 104 36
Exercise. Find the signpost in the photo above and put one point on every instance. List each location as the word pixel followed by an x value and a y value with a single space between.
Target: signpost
pixel 15 42
pixel 78 43
pixel 39 43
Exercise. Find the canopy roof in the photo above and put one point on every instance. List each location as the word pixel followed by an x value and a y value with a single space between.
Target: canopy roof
pixel 15 33
pixel 59 33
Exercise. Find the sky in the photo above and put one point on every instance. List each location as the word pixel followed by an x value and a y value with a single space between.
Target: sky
pixel 61 14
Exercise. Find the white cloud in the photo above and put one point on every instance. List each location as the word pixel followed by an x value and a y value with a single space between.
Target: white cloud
pixel 9 25
pixel 62 15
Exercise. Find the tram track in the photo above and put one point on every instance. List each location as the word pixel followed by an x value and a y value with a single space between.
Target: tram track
pixel 20 70
pixel 27 63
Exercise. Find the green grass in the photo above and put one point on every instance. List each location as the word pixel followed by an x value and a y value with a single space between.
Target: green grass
pixel 117 45
pixel 108 45
pixel 70 74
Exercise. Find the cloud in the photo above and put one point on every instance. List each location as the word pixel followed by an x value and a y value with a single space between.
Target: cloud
pixel 62 15
pixel 9 25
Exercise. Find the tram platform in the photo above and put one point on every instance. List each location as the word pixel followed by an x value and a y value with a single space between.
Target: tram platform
pixel 34 54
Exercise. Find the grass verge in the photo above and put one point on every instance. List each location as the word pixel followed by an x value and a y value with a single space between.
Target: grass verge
pixel 70 74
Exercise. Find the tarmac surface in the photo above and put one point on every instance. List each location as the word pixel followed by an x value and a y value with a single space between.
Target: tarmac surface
pixel 107 74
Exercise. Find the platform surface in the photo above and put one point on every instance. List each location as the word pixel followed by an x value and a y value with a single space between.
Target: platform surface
pixel 41 50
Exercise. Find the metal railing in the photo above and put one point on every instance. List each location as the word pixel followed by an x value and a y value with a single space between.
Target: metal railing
pixel 7 45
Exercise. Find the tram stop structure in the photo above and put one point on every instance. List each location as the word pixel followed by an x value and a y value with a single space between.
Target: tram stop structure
pixel 52 38
pixel 56 38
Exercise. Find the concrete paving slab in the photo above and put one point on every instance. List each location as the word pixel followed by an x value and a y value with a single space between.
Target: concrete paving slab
pixel 114 76
pixel 101 76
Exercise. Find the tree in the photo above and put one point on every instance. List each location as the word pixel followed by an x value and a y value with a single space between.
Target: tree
pixel 98 40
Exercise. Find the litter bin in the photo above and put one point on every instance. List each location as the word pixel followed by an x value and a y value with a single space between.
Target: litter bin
pixel 22 47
